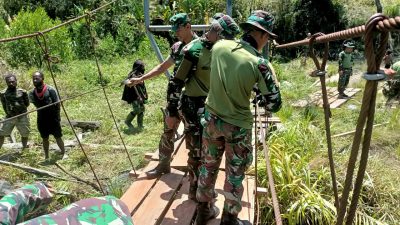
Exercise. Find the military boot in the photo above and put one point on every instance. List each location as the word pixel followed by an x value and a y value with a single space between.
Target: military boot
pixel 161 168
pixel 205 212
pixel 128 120
pixel 229 219
pixel 140 120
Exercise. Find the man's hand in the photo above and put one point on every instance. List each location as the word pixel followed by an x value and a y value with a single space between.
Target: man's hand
pixel 340 72
pixel 133 81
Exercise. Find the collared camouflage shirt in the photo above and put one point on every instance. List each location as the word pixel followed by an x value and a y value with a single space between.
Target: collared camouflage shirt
pixel 14 101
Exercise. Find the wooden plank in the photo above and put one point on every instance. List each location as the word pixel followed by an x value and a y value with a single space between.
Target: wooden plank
pixel 139 189
pixel 340 102
pixel 219 187
pixel 247 212
pixel 152 209
pixel 182 209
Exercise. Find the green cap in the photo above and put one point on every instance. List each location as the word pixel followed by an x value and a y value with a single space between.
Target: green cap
pixel 225 26
pixel 396 67
pixel 178 20
pixel 262 20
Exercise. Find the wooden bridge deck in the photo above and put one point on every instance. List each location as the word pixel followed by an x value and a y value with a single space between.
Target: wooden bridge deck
pixel 165 200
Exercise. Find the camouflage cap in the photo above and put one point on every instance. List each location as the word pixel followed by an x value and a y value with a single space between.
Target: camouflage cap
pixel 262 20
pixel 225 26
pixel 178 20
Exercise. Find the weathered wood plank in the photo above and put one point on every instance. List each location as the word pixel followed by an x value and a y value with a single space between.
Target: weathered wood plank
pixel 182 209
pixel 139 189
pixel 248 201
pixel 153 208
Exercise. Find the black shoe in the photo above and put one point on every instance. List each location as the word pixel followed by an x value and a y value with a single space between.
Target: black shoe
pixel 229 219
pixel 158 171
pixel 343 96
pixel 205 212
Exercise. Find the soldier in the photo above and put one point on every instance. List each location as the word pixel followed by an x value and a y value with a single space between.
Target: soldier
pixel 346 61
pixel 182 29
pixel 194 75
pixel 15 101
pixel 101 210
pixel 391 88
pixel 236 66
pixel 136 96
pixel 48 119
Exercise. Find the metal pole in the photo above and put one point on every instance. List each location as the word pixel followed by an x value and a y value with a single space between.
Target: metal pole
pixel 150 35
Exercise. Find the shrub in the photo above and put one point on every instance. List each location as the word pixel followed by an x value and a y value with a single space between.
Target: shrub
pixel 26 51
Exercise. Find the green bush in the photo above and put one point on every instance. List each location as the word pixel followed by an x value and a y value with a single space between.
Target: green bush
pixel 130 34
pixel 26 51
pixel 81 42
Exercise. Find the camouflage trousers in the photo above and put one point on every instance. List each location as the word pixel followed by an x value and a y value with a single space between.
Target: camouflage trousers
pixel 344 80
pixel 166 144
pixel 191 108
pixel 391 89
pixel 220 137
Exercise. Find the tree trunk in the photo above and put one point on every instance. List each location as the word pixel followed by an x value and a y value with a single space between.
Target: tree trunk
pixel 379 8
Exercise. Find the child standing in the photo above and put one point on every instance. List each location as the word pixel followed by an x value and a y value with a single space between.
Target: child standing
pixel 346 61
pixel 136 96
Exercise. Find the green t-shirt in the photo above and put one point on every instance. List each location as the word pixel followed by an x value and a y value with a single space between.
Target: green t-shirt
pixel 345 60
pixel 195 68
pixel 235 68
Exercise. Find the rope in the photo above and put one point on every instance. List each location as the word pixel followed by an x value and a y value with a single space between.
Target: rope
pixel 327 112
pixel 46 53
pixel 271 183
pixel 385 25
pixel 54 103
pixel 256 157
pixel 366 116
pixel 87 18
pixel 56 27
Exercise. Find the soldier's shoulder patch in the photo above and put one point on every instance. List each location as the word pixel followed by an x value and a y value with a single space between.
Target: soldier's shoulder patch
pixel 176 47
pixel 263 65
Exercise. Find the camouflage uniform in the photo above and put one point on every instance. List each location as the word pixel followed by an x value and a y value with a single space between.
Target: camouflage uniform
pixel 15 102
pixel 171 117
pixel 391 88
pixel 228 119
pixel 194 71
pixel 346 61
pixel 102 210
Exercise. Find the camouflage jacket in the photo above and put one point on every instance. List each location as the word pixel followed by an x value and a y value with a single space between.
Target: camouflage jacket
pixel 102 210
pixel 14 101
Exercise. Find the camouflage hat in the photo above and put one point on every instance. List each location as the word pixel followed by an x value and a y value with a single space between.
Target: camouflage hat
pixel 349 44
pixel 262 20
pixel 225 26
pixel 178 20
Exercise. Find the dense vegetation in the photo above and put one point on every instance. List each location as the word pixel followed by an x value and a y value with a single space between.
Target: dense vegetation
pixel 298 150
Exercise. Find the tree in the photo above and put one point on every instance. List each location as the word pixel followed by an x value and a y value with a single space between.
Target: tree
pixel 379 8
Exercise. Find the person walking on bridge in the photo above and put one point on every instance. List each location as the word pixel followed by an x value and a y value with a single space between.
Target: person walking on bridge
pixel 181 27
pixel 236 67
pixel 194 75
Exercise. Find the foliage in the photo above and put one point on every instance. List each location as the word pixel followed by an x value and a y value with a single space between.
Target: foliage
pixel 27 51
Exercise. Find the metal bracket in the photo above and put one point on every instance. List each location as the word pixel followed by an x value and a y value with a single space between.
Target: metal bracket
pixel 317 73
pixel 375 76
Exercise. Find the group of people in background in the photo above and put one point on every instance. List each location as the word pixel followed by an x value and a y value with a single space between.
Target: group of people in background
pixel 210 90
pixel 15 102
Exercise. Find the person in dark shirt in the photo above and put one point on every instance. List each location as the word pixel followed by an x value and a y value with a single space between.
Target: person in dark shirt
pixel 48 119
pixel 15 101
pixel 136 96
